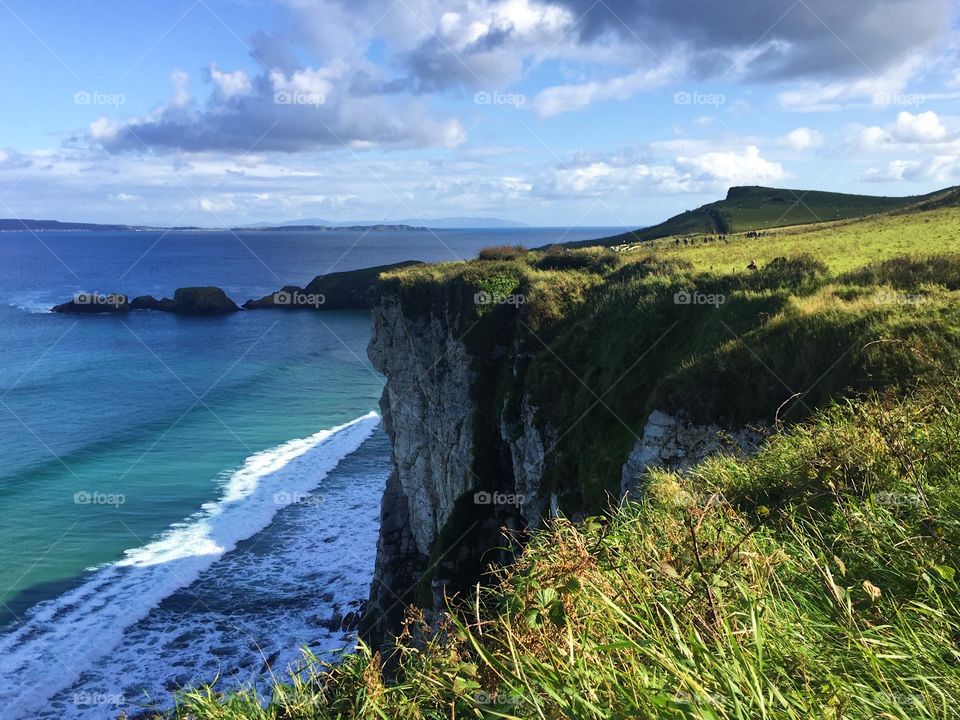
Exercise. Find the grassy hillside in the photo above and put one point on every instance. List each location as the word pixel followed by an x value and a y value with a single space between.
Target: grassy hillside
pixel 840 245
pixel 758 208
pixel 831 310
pixel 815 580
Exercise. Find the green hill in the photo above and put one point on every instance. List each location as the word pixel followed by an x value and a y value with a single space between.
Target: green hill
pixel 758 208
pixel 819 578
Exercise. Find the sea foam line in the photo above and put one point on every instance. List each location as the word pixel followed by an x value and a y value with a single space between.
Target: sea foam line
pixel 64 636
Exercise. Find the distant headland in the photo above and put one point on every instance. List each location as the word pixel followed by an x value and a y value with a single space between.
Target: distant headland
pixel 306 225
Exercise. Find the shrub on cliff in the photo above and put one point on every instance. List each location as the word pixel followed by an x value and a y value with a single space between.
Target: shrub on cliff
pixel 595 259
pixel 502 252
pixel 909 273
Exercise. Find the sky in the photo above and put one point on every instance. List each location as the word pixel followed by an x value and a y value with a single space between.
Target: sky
pixel 549 112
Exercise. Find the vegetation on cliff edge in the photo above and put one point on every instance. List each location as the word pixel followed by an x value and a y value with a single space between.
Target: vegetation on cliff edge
pixel 817 579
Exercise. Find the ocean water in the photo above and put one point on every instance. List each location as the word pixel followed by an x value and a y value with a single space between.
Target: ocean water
pixel 185 498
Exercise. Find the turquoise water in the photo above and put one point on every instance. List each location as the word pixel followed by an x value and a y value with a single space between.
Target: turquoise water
pixel 152 466
pixel 143 415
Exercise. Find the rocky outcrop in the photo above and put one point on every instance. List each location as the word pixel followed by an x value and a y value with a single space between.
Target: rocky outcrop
pixel 350 290
pixel 472 454
pixel 671 442
pixel 398 567
pixel 94 304
pixel 189 301
pixel 427 412
pixel 528 455
pixel 185 301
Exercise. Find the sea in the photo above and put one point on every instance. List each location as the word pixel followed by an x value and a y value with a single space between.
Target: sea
pixel 186 500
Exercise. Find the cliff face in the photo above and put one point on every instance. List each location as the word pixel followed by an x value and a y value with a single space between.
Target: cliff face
pixel 471 455
pixel 428 415
pixel 427 412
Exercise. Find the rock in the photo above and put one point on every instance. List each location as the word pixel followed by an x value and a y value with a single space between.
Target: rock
pixel 527 452
pixel 189 301
pixel 85 303
pixel 269 662
pixel 351 621
pixel 671 442
pixel 429 376
pixel 350 290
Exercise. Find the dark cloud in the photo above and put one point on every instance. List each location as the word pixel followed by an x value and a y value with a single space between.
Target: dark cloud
pixel 795 38
pixel 435 66
pixel 267 119
pixel 273 51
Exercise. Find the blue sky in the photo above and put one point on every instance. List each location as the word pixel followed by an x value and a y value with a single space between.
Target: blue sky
pixel 552 112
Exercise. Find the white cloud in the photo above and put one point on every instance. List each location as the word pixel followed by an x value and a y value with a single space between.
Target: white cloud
pixel 180 95
pixel 230 84
pixel 939 168
pixel 216 205
pixel 922 128
pixel 565 98
pixel 803 138
pixel 879 90
pixel 315 83
pixel 743 168
pixel 634 174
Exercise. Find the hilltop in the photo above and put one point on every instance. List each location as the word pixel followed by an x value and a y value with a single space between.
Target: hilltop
pixel 754 208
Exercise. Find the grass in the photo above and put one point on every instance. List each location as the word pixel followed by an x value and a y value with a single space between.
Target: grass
pixel 841 246
pixel 760 208
pixel 817 579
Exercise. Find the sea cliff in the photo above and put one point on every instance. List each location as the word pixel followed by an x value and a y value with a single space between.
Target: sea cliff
pixel 533 385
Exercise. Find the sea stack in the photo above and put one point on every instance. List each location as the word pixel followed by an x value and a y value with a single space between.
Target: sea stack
pixel 189 301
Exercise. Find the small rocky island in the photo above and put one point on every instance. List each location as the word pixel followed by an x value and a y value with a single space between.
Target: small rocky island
pixel 350 290
pixel 185 301
pixel 189 301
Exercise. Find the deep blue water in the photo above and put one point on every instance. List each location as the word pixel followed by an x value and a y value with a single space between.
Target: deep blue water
pixel 166 489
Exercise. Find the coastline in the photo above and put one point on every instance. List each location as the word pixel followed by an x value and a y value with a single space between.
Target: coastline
pixel 267 503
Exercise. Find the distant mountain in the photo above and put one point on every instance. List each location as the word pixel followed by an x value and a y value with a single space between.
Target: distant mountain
pixel 331 228
pixel 35 225
pixel 445 223
pixel 751 208
pixel 309 224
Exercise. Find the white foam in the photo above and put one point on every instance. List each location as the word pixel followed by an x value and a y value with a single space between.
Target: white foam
pixel 31 306
pixel 66 636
